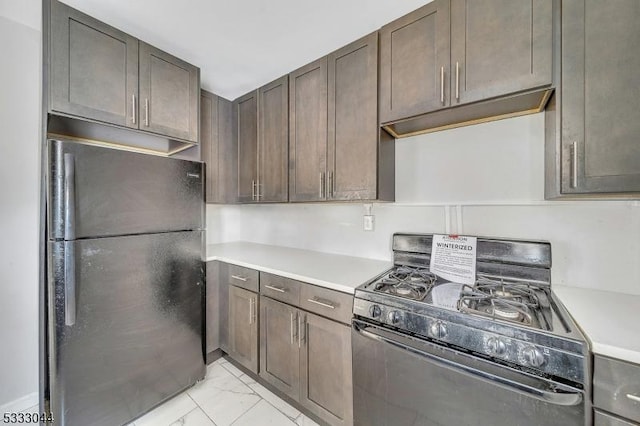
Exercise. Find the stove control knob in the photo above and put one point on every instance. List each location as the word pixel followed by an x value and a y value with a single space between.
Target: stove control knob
pixel 496 346
pixel 375 311
pixel 438 330
pixel 393 317
pixel 532 356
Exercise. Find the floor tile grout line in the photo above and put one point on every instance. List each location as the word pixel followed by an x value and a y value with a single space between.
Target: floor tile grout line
pixel 282 412
pixel 247 410
pixel 260 396
pixel 201 409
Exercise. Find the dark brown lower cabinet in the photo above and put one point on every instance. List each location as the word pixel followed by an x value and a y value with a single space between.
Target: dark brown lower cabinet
pixel 325 369
pixel 307 357
pixel 279 351
pixel 243 327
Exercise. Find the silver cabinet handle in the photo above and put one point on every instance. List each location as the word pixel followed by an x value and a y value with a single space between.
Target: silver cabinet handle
pixel 330 185
pixel 146 112
pixel 133 108
pixel 236 277
pixel 253 190
pixel 278 289
pixel 251 311
pixel 457 81
pixel 633 397
pixel 291 325
pixel 574 164
pixel 258 190
pixel 317 302
pixel 321 184
pixel 69 283
pixel 301 323
pixel 69 197
pixel 442 85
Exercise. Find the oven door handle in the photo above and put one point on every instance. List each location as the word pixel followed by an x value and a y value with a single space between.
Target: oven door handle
pixel 557 398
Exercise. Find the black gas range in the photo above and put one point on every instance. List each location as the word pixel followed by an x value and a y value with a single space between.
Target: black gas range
pixel 506 329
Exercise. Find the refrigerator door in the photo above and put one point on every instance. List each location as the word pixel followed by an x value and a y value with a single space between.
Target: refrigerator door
pixel 96 191
pixel 125 322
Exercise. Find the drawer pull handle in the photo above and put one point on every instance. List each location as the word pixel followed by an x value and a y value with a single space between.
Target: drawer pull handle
pixel 317 302
pixel 633 397
pixel 278 289
pixel 238 278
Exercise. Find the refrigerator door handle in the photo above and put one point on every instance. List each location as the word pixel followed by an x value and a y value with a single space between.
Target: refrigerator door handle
pixel 69 283
pixel 69 197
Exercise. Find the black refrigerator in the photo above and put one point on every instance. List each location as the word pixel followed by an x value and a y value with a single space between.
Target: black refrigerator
pixel 122 315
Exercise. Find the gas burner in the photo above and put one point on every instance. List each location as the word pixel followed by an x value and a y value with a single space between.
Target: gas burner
pixel 407 282
pixel 412 275
pixel 507 300
pixel 507 313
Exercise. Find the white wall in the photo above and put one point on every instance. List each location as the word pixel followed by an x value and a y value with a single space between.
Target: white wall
pixel 19 173
pixel 482 180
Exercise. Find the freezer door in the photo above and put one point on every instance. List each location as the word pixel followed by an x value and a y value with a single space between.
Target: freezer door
pixel 125 323
pixel 96 191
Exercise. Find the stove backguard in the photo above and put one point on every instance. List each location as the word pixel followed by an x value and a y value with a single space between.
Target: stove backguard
pixel 499 258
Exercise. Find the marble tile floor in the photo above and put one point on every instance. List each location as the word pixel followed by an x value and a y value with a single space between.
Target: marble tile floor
pixel 225 397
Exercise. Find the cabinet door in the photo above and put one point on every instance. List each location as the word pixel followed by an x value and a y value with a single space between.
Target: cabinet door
pixel 279 353
pixel 212 312
pixel 227 154
pixel 94 68
pixel 353 121
pixel 169 94
pixel 499 47
pixel 414 63
pixel 600 96
pixel 246 119
pixel 218 149
pixel 308 132
pixel 209 143
pixel 327 388
pixel 273 137
pixel 243 327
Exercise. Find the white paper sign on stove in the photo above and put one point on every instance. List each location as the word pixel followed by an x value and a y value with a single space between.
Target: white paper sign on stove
pixel 453 257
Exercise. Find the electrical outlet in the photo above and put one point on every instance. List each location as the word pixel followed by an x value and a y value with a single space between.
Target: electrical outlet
pixel 368 222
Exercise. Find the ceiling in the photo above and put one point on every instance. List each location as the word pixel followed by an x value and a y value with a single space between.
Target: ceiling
pixel 240 45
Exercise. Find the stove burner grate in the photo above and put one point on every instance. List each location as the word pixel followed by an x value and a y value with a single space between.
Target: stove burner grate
pixel 407 282
pixel 502 299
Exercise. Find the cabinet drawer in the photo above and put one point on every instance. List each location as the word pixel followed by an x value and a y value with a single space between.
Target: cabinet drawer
pixel 240 276
pixel 329 303
pixel 604 419
pixel 280 288
pixel 616 387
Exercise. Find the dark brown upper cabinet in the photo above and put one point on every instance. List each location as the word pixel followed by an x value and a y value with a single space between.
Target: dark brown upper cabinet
pixel 218 148
pixel 335 151
pixel 308 132
pixel 263 136
pixel 414 63
pixel 93 68
pixel 273 141
pixel 459 62
pixel 169 94
pixel 245 114
pixel 102 74
pixel 352 150
pixel 592 125
pixel 499 47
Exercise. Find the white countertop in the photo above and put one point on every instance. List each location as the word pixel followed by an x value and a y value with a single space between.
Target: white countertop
pixel 337 272
pixel 610 320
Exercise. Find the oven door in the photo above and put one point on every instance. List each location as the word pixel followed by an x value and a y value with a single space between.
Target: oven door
pixel 399 380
